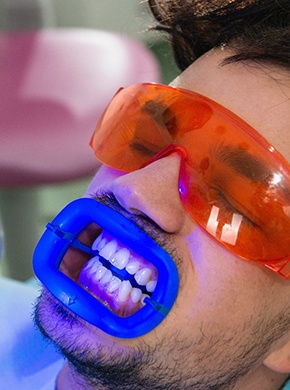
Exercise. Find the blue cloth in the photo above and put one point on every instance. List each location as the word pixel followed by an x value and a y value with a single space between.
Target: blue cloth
pixel 27 362
pixel 287 386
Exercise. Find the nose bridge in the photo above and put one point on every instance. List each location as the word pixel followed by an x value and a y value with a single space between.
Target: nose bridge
pixel 153 189
pixel 169 150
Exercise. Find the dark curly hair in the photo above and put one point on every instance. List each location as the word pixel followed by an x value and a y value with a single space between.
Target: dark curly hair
pixel 253 29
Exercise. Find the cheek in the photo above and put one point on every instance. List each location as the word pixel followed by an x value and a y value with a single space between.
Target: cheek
pixel 225 283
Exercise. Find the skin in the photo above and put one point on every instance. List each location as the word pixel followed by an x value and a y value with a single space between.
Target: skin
pixel 229 327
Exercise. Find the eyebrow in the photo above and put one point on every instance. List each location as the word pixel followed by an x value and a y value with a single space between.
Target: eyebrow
pixel 243 163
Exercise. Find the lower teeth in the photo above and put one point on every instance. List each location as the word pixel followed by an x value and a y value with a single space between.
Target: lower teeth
pixel 136 294
pixel 114 284
pixel 110 284
pixel 124 291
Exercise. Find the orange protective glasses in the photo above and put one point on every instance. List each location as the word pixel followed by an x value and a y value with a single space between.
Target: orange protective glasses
pixel 232 182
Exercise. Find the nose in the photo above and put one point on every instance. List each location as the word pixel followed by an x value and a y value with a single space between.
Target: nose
pixel 153 191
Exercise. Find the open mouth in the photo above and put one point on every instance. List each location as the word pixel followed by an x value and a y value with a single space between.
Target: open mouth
pixel 113 273
pixel 103 267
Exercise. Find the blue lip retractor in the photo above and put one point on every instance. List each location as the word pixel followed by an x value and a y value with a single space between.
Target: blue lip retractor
pixel 62 233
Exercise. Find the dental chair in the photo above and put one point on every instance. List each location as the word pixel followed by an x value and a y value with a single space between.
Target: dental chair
pixel 55 84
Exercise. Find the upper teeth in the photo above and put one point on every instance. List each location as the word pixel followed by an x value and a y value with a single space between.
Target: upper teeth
pixel 108 250
pixel 132 267
pixel 143 276
pixel 121 258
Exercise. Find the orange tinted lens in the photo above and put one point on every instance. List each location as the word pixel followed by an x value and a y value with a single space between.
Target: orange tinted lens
pixel 236 186
pixel 141 121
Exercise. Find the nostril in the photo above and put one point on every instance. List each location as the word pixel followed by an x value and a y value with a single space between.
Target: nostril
pixel 128 195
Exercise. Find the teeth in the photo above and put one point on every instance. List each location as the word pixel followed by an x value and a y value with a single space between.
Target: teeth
pixel 143 276
pixel 124 291
pixel 88 266
pixel 121 258
pixel 100 273
pixel 150 286
pixel 132 267
pixel 92 266
pixel 102 244
pixel 108 250
pixel 97 241
pixel 114 284
pixel 136 295
pixel 143 298
pixel 107 277
pixel 111 250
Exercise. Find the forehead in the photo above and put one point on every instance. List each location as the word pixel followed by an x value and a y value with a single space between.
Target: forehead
pixel 260 94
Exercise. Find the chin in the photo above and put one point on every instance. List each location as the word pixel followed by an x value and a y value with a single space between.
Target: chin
pixel 64 328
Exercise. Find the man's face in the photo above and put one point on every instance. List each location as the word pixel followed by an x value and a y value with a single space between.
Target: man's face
pixel 224 321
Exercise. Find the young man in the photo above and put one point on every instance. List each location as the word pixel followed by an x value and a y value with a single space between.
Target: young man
pixel 213 194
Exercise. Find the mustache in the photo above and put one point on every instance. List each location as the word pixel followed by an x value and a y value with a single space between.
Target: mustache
pixel 143 222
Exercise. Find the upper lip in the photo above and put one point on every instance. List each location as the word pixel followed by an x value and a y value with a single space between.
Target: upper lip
pixel 138 219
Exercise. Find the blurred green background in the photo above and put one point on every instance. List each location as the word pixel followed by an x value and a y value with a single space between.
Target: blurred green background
pixel 125 16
